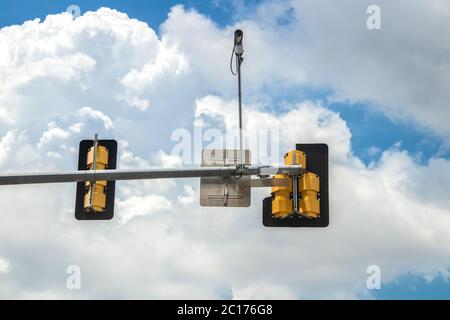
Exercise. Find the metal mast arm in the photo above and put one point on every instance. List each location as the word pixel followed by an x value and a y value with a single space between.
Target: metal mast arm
pixel 156 173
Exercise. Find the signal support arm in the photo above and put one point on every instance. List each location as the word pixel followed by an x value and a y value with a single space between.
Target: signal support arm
pixel 155 173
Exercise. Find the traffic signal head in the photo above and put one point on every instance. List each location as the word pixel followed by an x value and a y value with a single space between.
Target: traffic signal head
pixel 305 202
pixel 95 199
pixel 282 199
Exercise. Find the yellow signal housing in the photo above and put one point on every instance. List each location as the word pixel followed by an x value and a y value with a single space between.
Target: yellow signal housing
pixel 281 198
pixel 96 202
pixel 282 205
pixel 98 198
pixel 309 186
pixel 295 157
pixel 101 158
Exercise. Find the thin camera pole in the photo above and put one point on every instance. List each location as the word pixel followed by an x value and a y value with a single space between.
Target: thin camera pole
pixel 238 49
pixel 241 146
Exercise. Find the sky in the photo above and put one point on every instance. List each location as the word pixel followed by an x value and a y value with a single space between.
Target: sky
pixel 140 72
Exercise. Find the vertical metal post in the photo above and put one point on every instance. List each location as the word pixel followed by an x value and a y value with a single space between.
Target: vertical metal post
pixel 295 193
pixel 241 147
pixel 94 167
pixel 238 50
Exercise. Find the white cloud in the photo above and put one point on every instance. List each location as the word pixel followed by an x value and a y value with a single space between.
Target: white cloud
pixel 53 133
pixel 189 197
pixel 168 160
pixel 88 112
pixel 54 155
pixel 4 265
pixel 378 213
pixel 317 123
pixel 77 127
pixel 140 206
pixel 162 244
pixel 168 60
pixel 5 117
pixel 263 292
pixel 401 70
pixel 6 144
pixel 140 104
pixel 128 160
pixel 373 151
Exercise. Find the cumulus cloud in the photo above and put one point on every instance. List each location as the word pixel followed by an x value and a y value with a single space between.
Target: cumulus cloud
pixel 401 69
pixel 263 292
pixel 169 160
pixel 53 132
pixel 5 117
pixel 318 124
pixel 88 112
pixel 162 244
pixel 139 206
pixel 379 207
pixel 189 197
pixel 6 144
pixel 4 265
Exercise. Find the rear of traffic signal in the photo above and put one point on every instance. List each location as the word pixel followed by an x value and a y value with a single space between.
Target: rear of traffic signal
pixel 304 202
pixel 95 199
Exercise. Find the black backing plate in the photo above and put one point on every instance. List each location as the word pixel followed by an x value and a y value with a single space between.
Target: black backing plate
pixel 317 162
pixel 108 214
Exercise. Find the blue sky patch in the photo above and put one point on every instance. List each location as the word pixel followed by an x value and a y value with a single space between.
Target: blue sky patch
pixel 411 286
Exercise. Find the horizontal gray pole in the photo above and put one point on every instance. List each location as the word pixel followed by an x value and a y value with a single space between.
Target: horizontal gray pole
pixel 157 173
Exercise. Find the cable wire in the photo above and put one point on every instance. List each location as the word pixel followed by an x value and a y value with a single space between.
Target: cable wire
pixel 231 61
